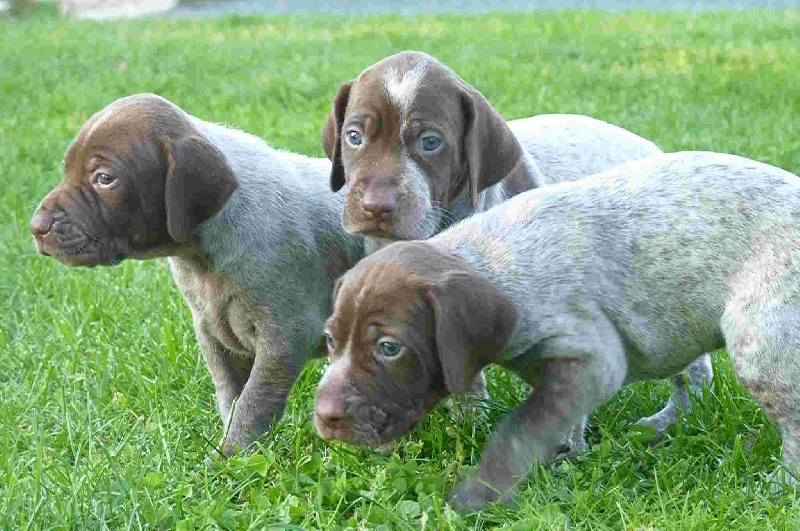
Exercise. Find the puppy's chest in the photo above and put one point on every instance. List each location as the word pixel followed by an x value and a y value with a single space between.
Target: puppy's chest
pixel 225 311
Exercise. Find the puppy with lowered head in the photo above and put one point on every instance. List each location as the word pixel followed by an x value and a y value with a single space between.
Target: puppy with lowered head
pixel 419 148
pixel 579 288
pixel 252 233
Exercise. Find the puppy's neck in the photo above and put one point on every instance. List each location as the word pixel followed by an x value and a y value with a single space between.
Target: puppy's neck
pixel 190 252
pixel 525 176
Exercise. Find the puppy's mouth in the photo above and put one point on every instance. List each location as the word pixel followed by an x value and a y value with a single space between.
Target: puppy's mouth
pixel 356 436
pixel 377 228
pixel 328 432
pixel 76 249
pixel 379 234
pixel 388 229
pixel 380 428
pixel 415 216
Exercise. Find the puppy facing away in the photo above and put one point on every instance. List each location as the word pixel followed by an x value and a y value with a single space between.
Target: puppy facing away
pixel 253 237
pixel 579 288
pixel 420 148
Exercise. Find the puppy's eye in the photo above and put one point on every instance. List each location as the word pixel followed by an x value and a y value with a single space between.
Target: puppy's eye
pixel 105 180
pixel 330 342
pixel 353 138
pixel 430 141
pixel 390 349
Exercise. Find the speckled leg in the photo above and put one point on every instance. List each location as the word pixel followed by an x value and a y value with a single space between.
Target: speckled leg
pixel 229 372
pixel 263 397
pixel 699 372
pixel 764 348
pixel 574 376
pixel 473 406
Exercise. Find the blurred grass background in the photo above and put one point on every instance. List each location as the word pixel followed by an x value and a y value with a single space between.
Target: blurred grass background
pixel 106 407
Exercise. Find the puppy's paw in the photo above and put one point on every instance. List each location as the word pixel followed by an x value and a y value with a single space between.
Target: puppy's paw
pixel 573 446
pixel 238 444
pixel 560 452
pixel 471 495
pixel 244 437
pixel 566 451
pixel 229 448
pixel 661 421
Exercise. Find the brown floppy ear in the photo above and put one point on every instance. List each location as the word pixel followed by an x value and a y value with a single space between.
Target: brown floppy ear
pixel 491 149
pixel 331 135
pixel 199 181
pixel 473 322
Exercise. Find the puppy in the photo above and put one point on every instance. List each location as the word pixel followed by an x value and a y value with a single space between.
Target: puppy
pixel 419 148
pixel 253 236
pixel 579 288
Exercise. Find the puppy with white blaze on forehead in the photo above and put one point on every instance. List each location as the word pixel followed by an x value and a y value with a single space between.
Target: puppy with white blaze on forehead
pixel 419 148
pixel 579 288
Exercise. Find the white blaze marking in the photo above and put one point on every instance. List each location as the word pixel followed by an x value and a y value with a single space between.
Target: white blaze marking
pixel 402 85
pixel 336 370
pixel 418 221
pixel 419 184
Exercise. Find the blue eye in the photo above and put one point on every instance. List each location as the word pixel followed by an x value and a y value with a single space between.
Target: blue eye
pixel 353 138
pixel 390 349
pixel 429 142
pixel 330 342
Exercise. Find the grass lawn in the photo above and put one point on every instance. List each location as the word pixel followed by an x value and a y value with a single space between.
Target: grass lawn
pixel 106 407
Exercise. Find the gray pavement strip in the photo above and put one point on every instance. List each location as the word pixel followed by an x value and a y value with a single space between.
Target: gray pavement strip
pixel 205 8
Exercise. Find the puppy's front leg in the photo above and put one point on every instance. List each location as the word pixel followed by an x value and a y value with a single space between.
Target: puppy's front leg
pixel 229 372
pixel 264 396
pixel 574 444
pixel 570 379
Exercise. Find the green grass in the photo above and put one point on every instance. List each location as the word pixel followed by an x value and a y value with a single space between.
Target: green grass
pixel 106 407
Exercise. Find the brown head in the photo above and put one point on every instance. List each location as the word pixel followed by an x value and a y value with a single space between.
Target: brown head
pixel 409 137
pixel 409 325
pixel 138 179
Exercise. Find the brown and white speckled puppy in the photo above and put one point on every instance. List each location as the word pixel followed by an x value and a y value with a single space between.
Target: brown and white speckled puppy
pixel 579 288
pixel 253 235
pixel 419 148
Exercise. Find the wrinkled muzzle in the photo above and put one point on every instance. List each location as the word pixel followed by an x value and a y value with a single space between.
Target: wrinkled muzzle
pixel 373 414
pixel 64 227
